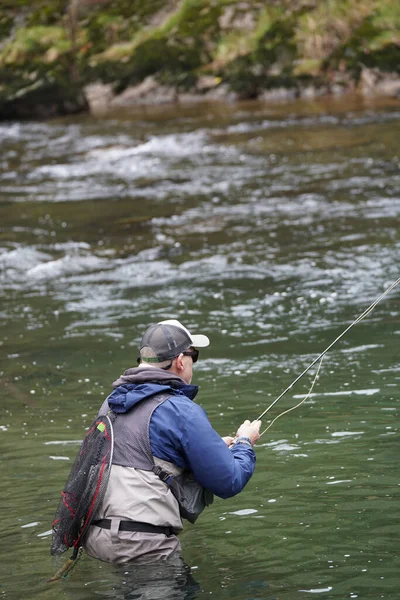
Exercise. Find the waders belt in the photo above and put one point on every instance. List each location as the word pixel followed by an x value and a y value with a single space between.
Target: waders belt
pixel 135 526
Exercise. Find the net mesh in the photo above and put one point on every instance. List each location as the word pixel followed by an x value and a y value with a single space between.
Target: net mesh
pixel 85 486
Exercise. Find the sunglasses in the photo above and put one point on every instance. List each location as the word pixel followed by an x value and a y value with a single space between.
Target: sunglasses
pixel 193 353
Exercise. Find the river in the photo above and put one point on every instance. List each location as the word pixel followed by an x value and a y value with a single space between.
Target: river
pixel 267 227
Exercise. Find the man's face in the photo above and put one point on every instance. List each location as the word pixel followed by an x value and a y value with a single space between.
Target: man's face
pixel 187 372
pixel 187 361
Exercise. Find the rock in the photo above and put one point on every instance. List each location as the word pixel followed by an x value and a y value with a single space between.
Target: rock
pixel 43 100
pixel 99 96
pixel 221 93
pixel 149 91
pixel 336 89
pixel 191 98
pixel 309 92
pixel 207 82
pixel 277 94
pixel 239 17
pixel 376 83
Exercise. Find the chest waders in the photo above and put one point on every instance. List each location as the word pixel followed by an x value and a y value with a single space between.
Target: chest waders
pixel 124 441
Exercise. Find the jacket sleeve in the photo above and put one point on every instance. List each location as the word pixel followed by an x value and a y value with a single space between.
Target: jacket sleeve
pixel 223 471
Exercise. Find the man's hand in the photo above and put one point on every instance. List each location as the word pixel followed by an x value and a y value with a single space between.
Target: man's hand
pixel 228 439
pixel 250 430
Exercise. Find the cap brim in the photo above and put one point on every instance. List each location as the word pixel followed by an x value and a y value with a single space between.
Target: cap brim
pixel 200 340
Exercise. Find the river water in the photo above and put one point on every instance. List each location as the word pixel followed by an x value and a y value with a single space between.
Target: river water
pixel 269 228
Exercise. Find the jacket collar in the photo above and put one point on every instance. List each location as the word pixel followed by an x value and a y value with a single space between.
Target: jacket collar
pixel 137 384
pixel 146 374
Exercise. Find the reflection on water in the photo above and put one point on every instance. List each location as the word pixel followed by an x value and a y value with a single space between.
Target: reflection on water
pixel 270 228
pixel 169 580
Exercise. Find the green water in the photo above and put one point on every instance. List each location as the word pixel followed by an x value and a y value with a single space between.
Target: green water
pixel 268 228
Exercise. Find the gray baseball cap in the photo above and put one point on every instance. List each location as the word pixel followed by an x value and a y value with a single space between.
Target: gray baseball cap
pixel 167 339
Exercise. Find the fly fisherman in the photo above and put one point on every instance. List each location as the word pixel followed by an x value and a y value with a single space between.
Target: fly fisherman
pixel 162 438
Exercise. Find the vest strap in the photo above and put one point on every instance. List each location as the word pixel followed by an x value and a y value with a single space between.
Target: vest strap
pixel 163 475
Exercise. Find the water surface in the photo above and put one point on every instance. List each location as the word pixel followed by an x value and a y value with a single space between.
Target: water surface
pixel 270 228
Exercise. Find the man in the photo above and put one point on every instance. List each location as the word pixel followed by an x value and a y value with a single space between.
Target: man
pixel 158 424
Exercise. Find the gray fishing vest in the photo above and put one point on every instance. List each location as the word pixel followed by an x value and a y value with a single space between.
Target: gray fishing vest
pixel 131 435
pixel 132 449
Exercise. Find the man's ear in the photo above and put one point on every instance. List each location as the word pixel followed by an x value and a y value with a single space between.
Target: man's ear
pixel 179 362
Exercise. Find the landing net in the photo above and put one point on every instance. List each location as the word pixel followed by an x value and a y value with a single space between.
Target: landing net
pixel 85 487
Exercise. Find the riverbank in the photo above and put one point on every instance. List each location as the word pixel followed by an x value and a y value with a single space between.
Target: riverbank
pixel 98 55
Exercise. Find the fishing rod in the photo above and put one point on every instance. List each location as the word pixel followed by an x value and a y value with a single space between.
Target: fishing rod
pixel 321 356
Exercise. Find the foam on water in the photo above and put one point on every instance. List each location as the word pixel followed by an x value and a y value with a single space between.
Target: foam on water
pixel 33 524
pixel 367 392
pixel 154 158
pixel 346 433
pixel 339 481
pixel 243 512
pixel 63 443
pixel 318 590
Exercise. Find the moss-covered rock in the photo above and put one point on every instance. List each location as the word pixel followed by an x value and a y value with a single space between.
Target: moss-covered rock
pixel 44 99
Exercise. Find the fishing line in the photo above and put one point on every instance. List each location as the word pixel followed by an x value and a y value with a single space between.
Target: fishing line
pixel 320 357
pixel 306 397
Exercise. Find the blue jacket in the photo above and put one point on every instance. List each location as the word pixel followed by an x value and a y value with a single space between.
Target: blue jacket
pixel 181 433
